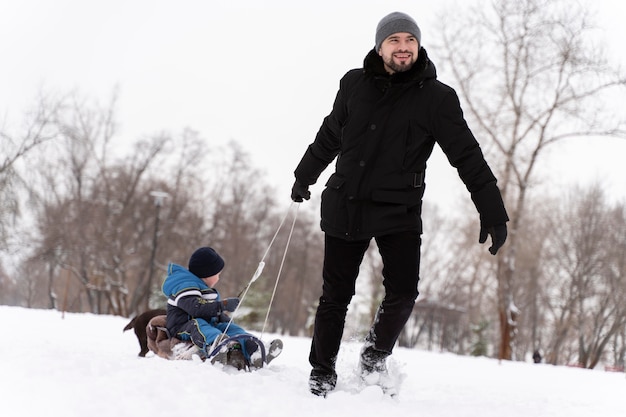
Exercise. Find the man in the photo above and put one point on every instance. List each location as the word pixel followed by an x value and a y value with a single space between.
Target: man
pixel 383 126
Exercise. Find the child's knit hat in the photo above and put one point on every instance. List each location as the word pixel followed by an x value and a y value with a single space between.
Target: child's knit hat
pixel 205 262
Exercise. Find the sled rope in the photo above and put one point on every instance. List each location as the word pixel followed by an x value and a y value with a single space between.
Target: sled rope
pixel 282 262
pixel 259 270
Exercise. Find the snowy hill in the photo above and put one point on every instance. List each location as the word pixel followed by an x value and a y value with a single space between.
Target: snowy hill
pixel 84 365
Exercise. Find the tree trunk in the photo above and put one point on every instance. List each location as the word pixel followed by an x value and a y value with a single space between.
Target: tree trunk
pixel 507 311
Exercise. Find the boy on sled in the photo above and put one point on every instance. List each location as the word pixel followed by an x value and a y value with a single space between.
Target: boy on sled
pixel 196 313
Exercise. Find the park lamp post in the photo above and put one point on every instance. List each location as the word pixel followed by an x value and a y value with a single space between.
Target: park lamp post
pixel 159 198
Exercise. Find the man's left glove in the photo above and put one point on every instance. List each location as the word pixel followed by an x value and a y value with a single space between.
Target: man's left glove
pixel 498 236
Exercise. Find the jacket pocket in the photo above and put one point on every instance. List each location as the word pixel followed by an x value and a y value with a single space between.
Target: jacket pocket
pixel 334 211
pixel 335 181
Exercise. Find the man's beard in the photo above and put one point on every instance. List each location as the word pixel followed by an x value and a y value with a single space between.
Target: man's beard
pixel 402 67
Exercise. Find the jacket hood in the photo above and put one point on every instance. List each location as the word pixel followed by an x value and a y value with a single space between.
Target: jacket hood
pixel 422 70
pixel 179 279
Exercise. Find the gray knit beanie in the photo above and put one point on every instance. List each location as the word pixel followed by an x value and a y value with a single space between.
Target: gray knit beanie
pixel 394 23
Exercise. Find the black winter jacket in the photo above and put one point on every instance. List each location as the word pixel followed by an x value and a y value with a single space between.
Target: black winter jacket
pixel 382 130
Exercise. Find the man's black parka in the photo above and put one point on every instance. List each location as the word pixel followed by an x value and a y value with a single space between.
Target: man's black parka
pixel 382 130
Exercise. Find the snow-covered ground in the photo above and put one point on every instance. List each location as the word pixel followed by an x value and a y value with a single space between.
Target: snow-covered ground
pixel 84 365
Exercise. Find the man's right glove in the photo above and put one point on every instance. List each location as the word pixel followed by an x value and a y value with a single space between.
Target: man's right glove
pixel 498 236
pixel 299 192
pixel 230 304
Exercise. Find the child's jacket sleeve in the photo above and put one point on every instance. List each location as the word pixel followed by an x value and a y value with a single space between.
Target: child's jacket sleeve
pixel 198 304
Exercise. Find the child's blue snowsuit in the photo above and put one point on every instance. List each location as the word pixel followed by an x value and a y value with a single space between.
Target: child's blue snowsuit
pixel 194 310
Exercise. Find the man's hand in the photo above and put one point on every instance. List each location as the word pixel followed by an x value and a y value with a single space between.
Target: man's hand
pixel 300 192
pixel 498 236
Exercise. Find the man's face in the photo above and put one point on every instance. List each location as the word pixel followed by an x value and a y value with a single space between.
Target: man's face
pixel 399 52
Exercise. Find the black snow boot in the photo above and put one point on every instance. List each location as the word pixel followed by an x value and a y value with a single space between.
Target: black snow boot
pixel 373 370
pixel 321 382
pixel 372 361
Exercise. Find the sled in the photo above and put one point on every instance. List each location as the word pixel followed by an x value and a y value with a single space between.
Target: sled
pixel 228 351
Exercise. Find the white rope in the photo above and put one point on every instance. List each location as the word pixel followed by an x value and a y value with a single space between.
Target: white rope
pixel 282 262
pixel 260 267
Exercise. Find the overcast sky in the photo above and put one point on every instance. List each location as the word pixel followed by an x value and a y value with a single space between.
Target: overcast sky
pixel 263 73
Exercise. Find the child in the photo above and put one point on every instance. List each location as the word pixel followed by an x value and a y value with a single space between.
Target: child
pixel 197 313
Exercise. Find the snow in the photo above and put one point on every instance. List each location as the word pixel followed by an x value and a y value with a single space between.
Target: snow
pixel 69 364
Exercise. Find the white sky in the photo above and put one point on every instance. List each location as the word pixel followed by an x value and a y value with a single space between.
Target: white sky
pixel 263 73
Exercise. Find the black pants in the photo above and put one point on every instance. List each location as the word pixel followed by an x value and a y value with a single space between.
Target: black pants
pixel 400 253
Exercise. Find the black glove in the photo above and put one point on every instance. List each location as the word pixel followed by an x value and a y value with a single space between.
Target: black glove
pixel 230 304
pixel 498 236
pixel 300 191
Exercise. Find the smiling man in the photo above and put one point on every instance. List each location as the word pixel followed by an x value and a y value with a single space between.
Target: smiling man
pixel 399 52
pixel 385 121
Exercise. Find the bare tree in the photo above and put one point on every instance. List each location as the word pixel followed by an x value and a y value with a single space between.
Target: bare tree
pixel 96 216
pixel 530 269
pixel 588 281
pixel 239 215
pixel 530 79
pixel 37 128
